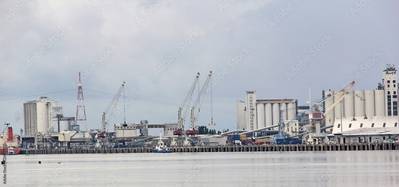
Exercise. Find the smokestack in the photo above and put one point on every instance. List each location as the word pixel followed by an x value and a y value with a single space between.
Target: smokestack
pixel 10 134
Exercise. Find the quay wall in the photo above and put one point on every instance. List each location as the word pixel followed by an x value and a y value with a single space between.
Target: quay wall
pixel 201 149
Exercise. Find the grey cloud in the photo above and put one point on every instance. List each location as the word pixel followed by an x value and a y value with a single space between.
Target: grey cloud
pixel 279 48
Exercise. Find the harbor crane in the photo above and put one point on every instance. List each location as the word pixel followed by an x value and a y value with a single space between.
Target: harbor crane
pixel 317 117
pixel 111 107
pixel 196 107
pixel 340 95
pixel 184 107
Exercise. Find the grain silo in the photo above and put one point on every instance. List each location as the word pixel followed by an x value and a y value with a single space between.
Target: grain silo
pixel 349 105
pixel 276 113
pixel 379 103
pixel 260 109
pixel 269 114
pixel 369 102
pixel 292 108
pixel 359 104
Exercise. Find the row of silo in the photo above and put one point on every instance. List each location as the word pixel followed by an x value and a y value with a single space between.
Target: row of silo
pixel 356 104
pixel 268 113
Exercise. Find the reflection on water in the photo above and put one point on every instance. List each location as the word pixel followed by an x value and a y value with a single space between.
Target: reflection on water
pixel 208 169
pixel 5 174
pixel 4 164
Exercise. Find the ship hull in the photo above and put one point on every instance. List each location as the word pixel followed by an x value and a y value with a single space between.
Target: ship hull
pixel 10 151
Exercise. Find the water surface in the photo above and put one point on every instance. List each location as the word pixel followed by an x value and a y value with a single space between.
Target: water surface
pixel 373 168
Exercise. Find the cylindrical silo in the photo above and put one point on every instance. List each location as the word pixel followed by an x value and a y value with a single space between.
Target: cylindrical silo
pixel 359 104
pixel 379 102
pixel 269 115
pixel 330 115
pixel 291 111
pixel 260 109
pixel 283 110
pixel 349 105
pixel 276 113
pixel 370 99
pixel 43 116
pixel 339 108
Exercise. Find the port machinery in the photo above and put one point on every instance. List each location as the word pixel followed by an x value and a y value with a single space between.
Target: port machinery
pixel 102 135
pixel 317 117
pixel 193 105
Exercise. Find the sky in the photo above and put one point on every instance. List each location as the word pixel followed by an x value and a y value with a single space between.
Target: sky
pixel 280 48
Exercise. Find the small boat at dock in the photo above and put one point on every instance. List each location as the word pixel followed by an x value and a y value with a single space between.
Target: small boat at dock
pixel 161 147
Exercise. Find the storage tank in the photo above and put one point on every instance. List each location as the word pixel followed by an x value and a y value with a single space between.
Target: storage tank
pixel 260 110
pixel 291 111
pixel 370 99
pixel 349 105
pixel 330 116
pixel 379 102
pixel 276 113
pixel 283 110
pixel 359 104
pixel 268 115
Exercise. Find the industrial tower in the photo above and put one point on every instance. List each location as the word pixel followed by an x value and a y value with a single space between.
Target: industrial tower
pixel 80 107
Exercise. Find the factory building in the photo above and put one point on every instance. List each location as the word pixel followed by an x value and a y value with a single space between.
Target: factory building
pixel 39 116
pixel 366 109
pixel 253 114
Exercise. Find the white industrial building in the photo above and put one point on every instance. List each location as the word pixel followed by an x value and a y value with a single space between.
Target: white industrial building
pixel 39 116
pixel 127 131
pixel 253 114
pixel 366 110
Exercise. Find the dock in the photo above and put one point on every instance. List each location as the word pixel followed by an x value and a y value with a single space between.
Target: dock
pixel 213 149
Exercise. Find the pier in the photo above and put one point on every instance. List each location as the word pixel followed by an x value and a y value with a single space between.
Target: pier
pixel 211 149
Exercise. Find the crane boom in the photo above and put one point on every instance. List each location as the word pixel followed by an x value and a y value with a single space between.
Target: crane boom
pixel 195 109
pixel 183 109
pixel 341 95
pixel 112 106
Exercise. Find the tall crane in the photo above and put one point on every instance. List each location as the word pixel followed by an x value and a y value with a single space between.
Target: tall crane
pixel 184 107
pixel 316 116
pixel 196 107
pixel 112 106
pixel 340 95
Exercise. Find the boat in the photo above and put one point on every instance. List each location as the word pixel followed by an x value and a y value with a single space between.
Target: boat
pixel 9 143
pixel 161 147
pixel 10 150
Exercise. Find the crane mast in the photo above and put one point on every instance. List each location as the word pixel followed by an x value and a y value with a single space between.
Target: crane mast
pixel 195 109
pixel 112 106
pixel 183 109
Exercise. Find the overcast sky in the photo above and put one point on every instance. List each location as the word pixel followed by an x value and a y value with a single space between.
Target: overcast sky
pixel 279 48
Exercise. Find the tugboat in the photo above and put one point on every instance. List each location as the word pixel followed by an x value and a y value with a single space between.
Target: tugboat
pixel 161 147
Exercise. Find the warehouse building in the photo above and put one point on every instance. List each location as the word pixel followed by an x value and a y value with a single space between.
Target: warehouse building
pixel 254 114
pixel 366 110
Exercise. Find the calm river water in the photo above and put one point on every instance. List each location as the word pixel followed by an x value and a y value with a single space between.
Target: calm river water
pixel 207 169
